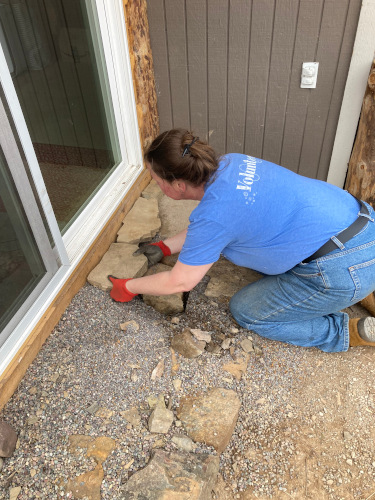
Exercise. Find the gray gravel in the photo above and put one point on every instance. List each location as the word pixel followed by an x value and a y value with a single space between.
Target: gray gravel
pixel 306 425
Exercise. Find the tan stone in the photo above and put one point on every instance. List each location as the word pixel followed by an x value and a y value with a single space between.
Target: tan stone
pixel 210 417
pixel 237 368
pixel 132 416
pixel 172 476
pixel 141 223
pixel 165 304
pixel 86 485
pixel 221 491
pixel 118 262
pixel 101 448
pixel 152 191
pixel 160 420
pixel 14 492
pixel 104 413
pixel 187 345
pixel 226 278
pixel 98 448
pixel 174 215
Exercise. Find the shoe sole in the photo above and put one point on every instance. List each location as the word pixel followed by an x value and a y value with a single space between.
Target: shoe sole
pixel 369 328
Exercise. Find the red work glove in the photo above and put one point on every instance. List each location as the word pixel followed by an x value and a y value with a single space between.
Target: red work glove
pixel 154 252
pixel 119 292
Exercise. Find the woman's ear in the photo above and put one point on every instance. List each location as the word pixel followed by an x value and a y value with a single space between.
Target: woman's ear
pixel 179 185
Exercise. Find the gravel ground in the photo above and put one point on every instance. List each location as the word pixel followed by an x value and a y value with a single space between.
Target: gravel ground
pixel 305 428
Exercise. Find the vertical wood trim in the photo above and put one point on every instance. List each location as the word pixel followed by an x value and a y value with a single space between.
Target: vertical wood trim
pixel 363 52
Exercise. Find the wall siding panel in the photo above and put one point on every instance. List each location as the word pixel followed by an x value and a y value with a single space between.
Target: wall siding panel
pixel 231 71
pixel 262 20
pixel 158 35
pixel 217 39
pixel 279 79
pixel 238 67
pixel 330 39
pixel 197 59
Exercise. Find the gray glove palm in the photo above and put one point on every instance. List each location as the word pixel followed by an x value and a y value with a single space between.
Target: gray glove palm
pixel 153 253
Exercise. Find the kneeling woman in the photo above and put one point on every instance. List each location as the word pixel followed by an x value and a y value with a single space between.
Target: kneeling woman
pixel 313 242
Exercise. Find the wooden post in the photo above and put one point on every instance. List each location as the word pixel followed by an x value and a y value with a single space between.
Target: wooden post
pixel 360 180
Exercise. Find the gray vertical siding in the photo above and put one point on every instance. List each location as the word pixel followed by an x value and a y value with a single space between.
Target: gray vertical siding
pixel 230 70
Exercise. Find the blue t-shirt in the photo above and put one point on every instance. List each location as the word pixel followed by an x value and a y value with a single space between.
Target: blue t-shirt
pixel 264 217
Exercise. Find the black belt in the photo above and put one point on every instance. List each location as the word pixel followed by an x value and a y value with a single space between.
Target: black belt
pixel 343 237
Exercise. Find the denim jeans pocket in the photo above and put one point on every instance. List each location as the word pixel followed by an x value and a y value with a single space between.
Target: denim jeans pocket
pixel 309 272
pixel 363 276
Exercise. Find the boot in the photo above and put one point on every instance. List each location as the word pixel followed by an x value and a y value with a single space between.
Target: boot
pixel 369 303
pixel 362 332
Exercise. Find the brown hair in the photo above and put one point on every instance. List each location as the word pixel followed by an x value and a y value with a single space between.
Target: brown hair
pixel 168 161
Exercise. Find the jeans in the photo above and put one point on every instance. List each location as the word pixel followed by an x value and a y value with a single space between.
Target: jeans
pixel 303 306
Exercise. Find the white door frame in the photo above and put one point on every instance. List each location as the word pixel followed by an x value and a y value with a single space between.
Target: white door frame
pixel 363 55
pixel 76 241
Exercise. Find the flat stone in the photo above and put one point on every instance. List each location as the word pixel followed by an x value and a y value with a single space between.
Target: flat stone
pixel 210 417
pixel 226 278
pixel 152 191
pixel 201 335
pixel 141 223
pixel 221 490
pixel 104 413
pixel 118 261
pixel 14 492
pixel 158 371
pixel 174 215
pixel 165 304
pixel 86 485
pixel 99 448
pixel 160 420
pixel 173 475
pixel 188 346
pixel 184 443
pixel 247 345
pixel 132 416
pixel 131 323
pixel 8 439
pixel 238 367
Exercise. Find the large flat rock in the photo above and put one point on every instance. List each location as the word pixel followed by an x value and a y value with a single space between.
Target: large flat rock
pixel 119 262
pixel 165 304
pixel 226 278
pixel 172 476
pixel 210 417
pixel 152 191
pixel 174 215
pixel 141 223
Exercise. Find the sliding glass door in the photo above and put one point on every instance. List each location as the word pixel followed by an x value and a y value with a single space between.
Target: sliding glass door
pixel 27 261
pixel 69 147
pixel 55 57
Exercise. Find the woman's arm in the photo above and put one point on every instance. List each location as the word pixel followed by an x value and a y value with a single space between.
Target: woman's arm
pixel 181 278
pixel 175 243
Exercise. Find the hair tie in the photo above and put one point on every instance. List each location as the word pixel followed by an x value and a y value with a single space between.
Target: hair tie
pixel 188 146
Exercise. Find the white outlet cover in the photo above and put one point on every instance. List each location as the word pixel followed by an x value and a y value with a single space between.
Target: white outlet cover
pixel 309 75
